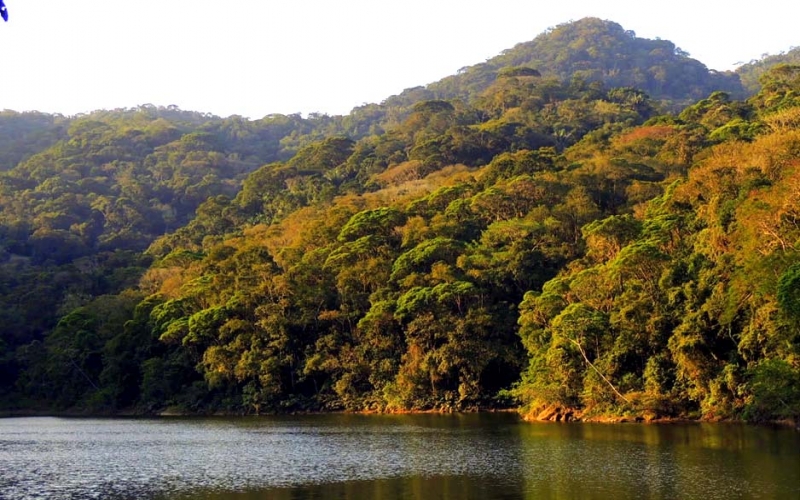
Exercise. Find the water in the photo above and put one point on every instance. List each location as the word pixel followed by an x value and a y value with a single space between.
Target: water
pixel 485 456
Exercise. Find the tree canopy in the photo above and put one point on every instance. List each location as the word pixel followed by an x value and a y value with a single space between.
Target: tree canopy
pixel 589 224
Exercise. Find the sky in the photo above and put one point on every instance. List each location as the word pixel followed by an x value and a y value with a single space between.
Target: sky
pixel 257 57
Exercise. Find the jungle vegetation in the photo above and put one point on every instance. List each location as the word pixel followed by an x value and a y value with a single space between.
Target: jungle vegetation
pixel 590 221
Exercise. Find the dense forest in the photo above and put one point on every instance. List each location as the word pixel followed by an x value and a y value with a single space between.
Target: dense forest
pixel 589 224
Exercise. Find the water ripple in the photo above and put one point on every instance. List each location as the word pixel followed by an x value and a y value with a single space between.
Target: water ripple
pixel 49 458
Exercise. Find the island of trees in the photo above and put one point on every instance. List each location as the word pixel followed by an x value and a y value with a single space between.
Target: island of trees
pixel 590 224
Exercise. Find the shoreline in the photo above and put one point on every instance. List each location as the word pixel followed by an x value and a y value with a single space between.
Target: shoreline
pixel 528 417
pixel 555 414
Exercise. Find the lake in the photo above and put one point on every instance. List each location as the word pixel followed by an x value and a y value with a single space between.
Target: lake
pixel 473 456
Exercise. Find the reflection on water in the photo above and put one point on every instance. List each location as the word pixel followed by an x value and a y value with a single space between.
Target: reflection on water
pixel 486 456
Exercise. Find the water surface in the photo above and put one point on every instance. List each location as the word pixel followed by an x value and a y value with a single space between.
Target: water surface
pixel 486 456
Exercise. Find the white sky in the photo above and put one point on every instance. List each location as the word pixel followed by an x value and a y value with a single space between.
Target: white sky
pixel 255 57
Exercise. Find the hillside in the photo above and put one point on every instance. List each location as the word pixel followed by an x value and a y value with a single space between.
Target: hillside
pixel 591 50
pixel 751 72
pixel 542 240
pixel 584 51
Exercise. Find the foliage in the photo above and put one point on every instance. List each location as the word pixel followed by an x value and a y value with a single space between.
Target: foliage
pixel 531 224
pixel 592 49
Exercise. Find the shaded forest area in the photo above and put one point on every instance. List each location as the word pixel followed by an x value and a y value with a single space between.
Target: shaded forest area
pixel 590 223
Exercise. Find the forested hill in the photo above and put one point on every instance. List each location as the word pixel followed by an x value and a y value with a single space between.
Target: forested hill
pixel 592 49
pixel 750 73
pixel 548 240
